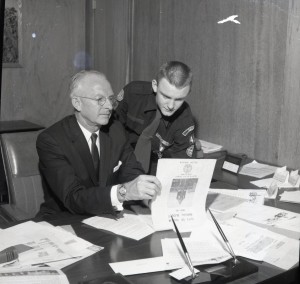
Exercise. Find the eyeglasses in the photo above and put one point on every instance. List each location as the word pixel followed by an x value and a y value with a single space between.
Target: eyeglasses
pixel 102 100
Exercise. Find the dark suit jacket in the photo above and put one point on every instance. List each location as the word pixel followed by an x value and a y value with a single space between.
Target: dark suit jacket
pixel 69 176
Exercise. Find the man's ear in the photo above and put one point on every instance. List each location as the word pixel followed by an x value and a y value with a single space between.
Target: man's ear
pixel 154 85
pixel 76 103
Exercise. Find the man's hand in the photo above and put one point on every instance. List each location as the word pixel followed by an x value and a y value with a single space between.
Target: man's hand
pixel 143 187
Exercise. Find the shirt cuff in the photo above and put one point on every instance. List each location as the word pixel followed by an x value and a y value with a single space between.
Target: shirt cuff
pixel 116 204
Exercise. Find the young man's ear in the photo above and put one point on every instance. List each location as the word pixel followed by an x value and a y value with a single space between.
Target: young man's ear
pixel 76 103
pixel 154 85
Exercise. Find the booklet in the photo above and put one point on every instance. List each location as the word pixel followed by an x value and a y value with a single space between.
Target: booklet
pixel 185 184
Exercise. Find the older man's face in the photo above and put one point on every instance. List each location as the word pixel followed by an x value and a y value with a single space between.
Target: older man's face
pixel 90 110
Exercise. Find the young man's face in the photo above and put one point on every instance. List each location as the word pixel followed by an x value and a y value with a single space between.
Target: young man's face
pixel 168 97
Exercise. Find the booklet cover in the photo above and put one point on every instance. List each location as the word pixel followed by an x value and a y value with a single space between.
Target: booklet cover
pixel 185 184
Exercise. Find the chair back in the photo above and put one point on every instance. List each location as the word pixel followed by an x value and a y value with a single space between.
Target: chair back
pixel 23 178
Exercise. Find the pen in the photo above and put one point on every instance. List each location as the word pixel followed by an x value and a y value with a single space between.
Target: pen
pixel 184 249
pixel 224 237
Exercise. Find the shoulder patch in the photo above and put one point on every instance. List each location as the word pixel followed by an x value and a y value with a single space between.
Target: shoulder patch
pixel 188 130
pixel 120 96
pixel 190 150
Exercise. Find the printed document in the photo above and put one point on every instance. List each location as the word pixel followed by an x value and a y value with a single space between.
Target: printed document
pixel 40 275
pixel 284 254
pixel 268 216
pixel 139 266
pixel 222 202
pixel 201 252
pixel 129 225
pixel 40 244
pixel 256 196
pixel 253 242
pixel 185 184
pixel 248 240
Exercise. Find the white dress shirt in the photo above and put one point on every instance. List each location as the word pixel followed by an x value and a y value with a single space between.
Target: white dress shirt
pixel 113 193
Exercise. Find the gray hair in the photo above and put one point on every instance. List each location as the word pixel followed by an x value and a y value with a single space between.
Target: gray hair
pixel 77 79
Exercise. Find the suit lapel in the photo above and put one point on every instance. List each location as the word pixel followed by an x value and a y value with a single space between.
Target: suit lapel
pixel 105 145
pixel 82 148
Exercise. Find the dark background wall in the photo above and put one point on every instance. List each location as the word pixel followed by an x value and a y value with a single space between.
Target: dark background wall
pixel 37 91
pixel 246 76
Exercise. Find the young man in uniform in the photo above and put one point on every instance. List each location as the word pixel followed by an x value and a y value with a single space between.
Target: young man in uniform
pixel 156 113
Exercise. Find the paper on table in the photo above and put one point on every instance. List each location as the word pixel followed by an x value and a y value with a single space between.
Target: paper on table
pixel 45 248
pixel 144 214
pixel 185 184
pixel 290 196
pixel 257 170
pixel 248 240
pixel 130 225
pixel 222 202
pixel 141 266
pixel 268 216
pixel 201 252
pixel 294 178
pixel 256 196
pixel 285 254
pixel 265 183
pixel 183 273
pixel 41 275
pixel 49 244
pixel 78 246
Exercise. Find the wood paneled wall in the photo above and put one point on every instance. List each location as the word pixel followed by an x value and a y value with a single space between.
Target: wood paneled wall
pixel 37 92
pixel 246 76
pixel 109 39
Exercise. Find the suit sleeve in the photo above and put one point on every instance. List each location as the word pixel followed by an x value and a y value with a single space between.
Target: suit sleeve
pixel 75 194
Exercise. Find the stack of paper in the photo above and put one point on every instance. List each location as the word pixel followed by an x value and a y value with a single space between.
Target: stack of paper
pixel 258 170
pixel 45 244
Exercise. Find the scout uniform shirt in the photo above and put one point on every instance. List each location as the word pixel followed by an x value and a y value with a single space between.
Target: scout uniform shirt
pixel 174 137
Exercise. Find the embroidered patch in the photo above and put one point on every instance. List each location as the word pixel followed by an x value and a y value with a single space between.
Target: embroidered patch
pixel 188 130
pixel 162 140
pixel 120 96
pixel 190 150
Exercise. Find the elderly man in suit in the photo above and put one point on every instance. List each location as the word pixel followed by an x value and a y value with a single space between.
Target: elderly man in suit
pixel 87 166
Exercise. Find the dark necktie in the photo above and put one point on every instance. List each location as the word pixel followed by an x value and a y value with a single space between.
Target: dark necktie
pixel 95 154
pixel 143 146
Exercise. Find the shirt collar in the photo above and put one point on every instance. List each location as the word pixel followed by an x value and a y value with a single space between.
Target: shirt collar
pixel 87 134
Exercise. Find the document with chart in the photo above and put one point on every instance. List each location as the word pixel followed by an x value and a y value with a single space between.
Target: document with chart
pixel 185 184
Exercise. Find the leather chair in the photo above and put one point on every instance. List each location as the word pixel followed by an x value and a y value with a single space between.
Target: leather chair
pixel 24 182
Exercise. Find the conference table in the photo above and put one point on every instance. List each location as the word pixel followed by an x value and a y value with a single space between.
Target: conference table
pixel 118 248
